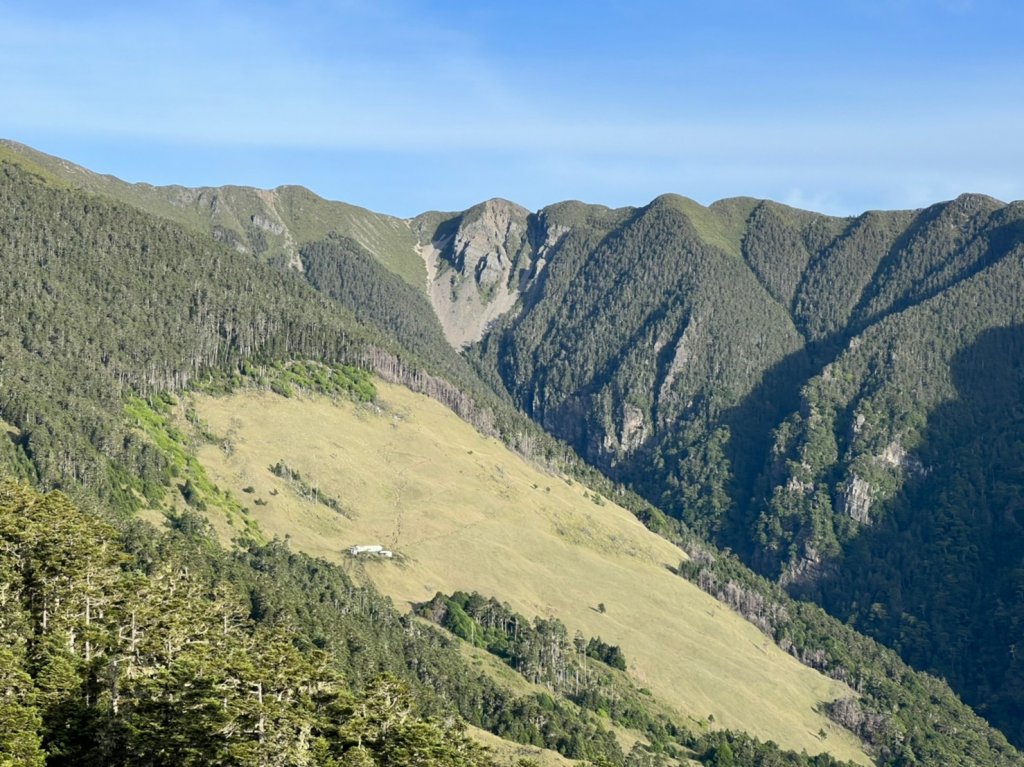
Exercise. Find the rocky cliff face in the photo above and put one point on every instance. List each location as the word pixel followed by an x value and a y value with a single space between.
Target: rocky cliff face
pixel 478 263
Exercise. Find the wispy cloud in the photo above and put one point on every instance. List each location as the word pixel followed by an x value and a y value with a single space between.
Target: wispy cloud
pixel 539 97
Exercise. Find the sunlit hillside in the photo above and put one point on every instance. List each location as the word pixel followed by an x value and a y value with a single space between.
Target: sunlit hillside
pixel 461 512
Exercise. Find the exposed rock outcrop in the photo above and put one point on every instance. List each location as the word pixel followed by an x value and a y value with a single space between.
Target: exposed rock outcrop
pixel 632 434
pixel 855 501
pixel 478 263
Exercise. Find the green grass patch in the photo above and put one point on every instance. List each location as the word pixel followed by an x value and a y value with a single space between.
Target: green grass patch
pixel 155 418
pixel 289 378
pixel 723 224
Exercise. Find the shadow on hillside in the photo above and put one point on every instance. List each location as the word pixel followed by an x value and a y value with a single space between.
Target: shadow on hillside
pixel 994 244
pixel 941 577
pixel 752 424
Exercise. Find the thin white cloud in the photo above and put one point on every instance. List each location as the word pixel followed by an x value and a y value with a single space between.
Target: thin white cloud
pixel 390 79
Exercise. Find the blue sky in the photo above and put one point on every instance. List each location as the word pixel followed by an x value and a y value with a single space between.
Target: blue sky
pixel 404 106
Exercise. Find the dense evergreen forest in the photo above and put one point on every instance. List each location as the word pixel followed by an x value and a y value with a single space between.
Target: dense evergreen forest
pixel 836 400
pixel 135 649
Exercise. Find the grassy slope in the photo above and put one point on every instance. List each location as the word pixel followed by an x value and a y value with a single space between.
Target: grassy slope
pixel 305 216
pixel 722 224
pixel 465 513
pixel 506 752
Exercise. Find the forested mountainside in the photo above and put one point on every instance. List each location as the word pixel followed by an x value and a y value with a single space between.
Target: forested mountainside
pixel 103 300
pixel 107 301
pixel 837 400
pixel 271 224
pixel 120 646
